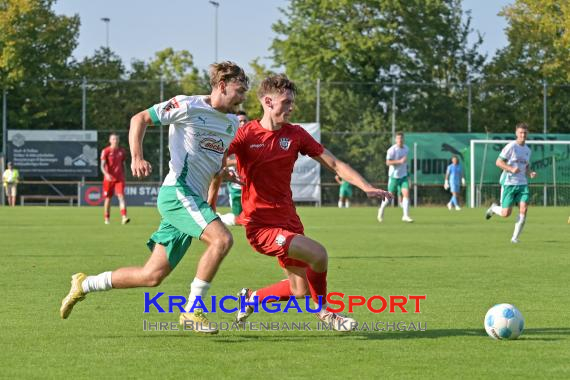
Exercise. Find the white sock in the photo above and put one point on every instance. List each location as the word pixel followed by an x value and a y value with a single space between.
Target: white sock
pixel 497 210
pixel 339 203
pixel 347 203
pixel 383 206
pixel 97 283
pixel 406 206
pixel 197 288
pixel 519 226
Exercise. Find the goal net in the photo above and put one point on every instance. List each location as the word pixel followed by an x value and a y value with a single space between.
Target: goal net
pixel 550 159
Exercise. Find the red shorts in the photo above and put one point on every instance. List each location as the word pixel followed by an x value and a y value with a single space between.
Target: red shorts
pixel 275 241
pixel 113 187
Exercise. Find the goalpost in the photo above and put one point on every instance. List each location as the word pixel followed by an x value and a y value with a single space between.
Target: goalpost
pixel 552 163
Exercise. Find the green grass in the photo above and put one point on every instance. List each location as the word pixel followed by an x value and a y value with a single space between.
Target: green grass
pixel 463 264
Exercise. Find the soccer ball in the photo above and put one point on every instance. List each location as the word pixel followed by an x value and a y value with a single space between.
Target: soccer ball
pixel 504 321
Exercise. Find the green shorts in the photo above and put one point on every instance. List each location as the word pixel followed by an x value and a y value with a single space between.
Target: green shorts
pixel 345 190
pixel 235 199
pixel 514 194
pixel 185 215
pixel 395 185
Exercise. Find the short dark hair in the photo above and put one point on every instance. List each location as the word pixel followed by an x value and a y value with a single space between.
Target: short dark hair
pixel 241 113
pixel 400 134
pixel 522 126
pixel 227 72
pixel 278 83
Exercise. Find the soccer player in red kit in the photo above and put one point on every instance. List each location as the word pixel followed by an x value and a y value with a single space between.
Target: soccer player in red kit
pixel 266 151
pixel 113 160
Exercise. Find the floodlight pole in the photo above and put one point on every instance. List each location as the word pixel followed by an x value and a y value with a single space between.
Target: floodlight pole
pixel 216 6
pixel 394 111
pixel 106 20
pixel 4 136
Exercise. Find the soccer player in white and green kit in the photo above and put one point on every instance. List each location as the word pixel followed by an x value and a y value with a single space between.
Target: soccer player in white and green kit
pixel 515 162
pixel 201 129
pixel 397 160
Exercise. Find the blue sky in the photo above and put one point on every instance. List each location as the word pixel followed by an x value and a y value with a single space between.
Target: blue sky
pixel 140 28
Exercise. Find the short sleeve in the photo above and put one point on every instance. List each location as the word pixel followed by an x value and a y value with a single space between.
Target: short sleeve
pixel 104 154
pixel 390 154
pixel 237 143
pixel 506 152
pixel 448 171
pixel 169 112
pixel 309 146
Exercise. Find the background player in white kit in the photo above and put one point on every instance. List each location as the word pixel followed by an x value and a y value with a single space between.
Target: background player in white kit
pixel 397 160
pixel 515 162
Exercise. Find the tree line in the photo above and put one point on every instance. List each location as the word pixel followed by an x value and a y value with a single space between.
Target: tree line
pixel 358 49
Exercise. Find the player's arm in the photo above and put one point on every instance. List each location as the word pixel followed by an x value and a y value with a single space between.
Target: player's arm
pixel 343 170
pixel 231 160
pixel 139 166
pixel 530 173
pixel 501 163
pixel 396 162
pixel 216 182
pixel 106 174
pixel 338 180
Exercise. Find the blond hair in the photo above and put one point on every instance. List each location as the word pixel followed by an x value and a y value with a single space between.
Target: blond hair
pixel 227 72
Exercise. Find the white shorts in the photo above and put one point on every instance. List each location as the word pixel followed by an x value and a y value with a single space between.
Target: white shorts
pixel 10 189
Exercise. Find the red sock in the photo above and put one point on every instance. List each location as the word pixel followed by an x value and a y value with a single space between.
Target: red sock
pixel 317 285
pixel 107 216
pixel 124 211
pixel 281 289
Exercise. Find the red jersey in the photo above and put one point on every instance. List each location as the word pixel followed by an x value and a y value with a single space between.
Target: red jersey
pixel 114 160
pixel 265 162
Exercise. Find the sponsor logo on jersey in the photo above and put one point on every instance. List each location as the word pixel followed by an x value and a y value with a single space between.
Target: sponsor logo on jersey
pixel 256 146
pixel 284 143
pixel 212 144
pixel 172 103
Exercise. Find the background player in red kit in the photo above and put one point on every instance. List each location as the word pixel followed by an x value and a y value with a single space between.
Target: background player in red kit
pixel 113 160
pixel 266 151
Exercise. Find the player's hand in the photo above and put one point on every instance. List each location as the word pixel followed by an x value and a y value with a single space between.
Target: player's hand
pixel 463 182
pixel 533 174
pixel 446 185
pixel 109 177
pixel 378 193
pixel 140 168
pixel 515 170
pixel 231 176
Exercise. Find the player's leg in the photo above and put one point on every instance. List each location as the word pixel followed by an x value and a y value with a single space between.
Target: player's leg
pixel 294 285
pixel 108 191
pixel 392 188
pixel 151 274
pixel 12 196
pixel 507 201
pixel 405 200
pixel 219 241
pixel 313 253
pixel 120 191
pixel 523 196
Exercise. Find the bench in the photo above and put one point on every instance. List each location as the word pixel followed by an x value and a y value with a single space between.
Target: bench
pixel 47 198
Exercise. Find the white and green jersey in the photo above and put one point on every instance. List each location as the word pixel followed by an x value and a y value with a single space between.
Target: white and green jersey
pixel 198 137
pixel 518 156
pixel 396 153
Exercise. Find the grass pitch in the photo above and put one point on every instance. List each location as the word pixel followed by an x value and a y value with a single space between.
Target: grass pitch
pixel 463 264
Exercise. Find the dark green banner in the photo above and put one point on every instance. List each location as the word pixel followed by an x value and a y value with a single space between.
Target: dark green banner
pixel 434 150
